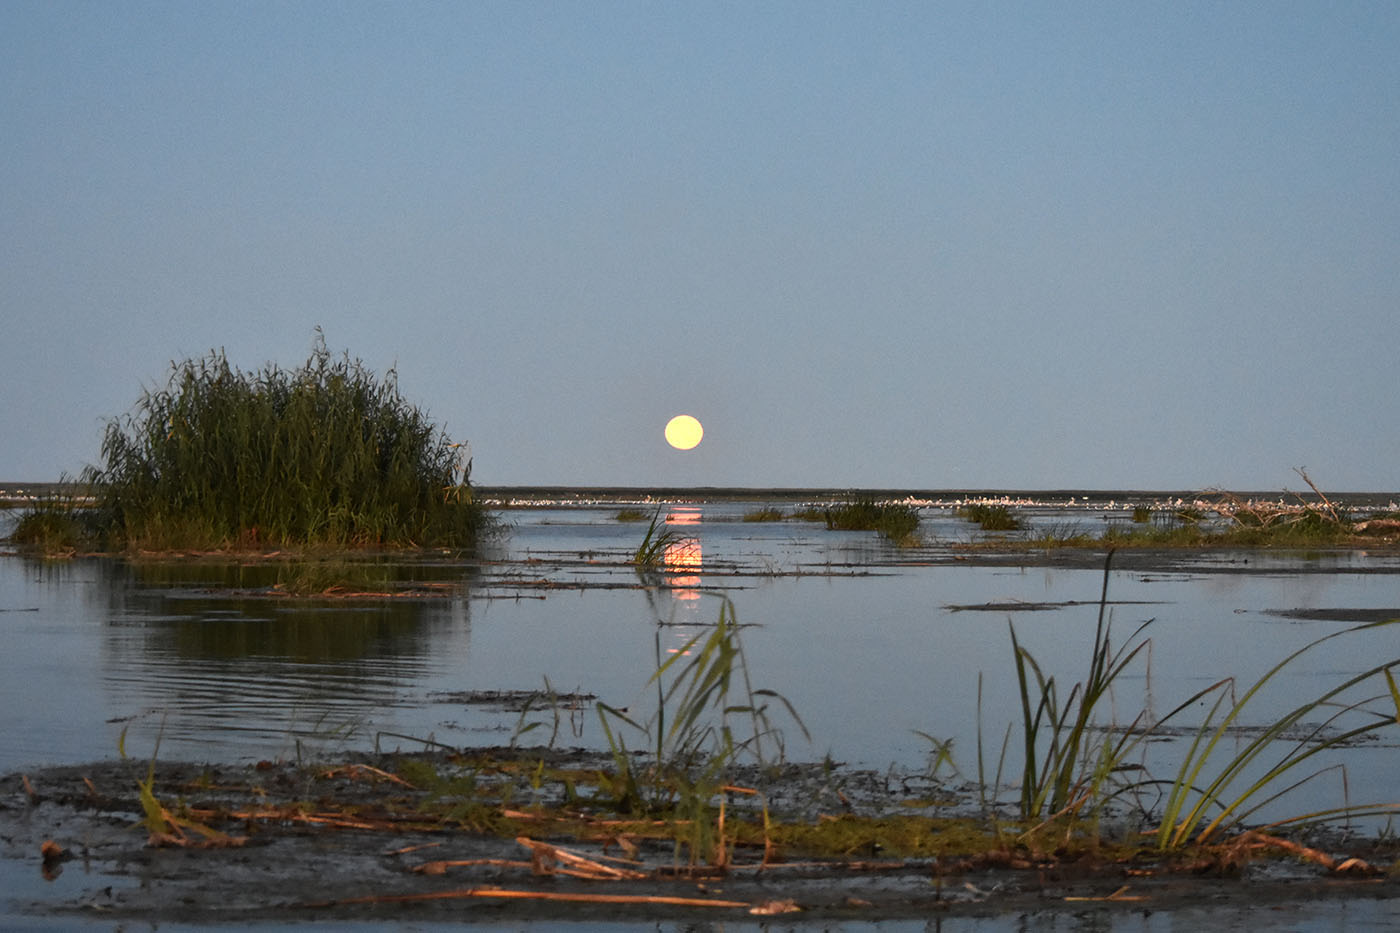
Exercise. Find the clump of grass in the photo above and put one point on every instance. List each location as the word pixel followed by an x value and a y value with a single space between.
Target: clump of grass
pixel 894 520
pixel 809 513
pixel 1142 514
pixel 990 517
pixel 651 553
pixel 708 717
pixel 325 455
pixel 1074 769
pixel 327 577
pixel 767 514
pixel 1203 806
pixel 630 515
pixel 1069 763
pixel 60 524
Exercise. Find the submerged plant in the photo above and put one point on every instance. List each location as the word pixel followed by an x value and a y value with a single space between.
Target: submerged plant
pixel 326 455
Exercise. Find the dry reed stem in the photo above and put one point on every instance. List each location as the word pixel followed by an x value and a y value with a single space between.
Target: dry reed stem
pixel 440 867
pixel 544 859
pixel 1336 517
pixel 1119 895
pixel 291 816
pixel 353 770
pixel 1257 840
pixel 509 893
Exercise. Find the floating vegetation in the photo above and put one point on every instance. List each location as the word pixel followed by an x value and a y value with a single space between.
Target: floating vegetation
pixel 630 515
pixel 333 577
pixel 767 514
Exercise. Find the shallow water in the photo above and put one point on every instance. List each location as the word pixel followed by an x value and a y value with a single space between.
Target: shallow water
pixel 868 642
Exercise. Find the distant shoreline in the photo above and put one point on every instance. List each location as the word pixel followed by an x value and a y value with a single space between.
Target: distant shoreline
pixel 524 496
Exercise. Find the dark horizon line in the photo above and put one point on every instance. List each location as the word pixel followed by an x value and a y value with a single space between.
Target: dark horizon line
pixel 580 491
pixel 559 490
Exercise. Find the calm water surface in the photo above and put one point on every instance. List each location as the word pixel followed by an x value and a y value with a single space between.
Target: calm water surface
pixel 868 642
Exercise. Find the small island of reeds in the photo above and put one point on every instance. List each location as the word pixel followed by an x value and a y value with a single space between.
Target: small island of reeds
pixel 325 456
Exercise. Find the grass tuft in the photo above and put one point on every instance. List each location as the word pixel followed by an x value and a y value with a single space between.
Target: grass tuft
pixel 894 520
pixel 326 455
pixel 57 525
pixel 990 517
pixel 651 552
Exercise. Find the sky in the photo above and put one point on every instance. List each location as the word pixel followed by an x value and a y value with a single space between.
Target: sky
pixel 916 245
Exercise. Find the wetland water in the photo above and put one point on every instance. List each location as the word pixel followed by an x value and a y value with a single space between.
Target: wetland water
pixel 867 641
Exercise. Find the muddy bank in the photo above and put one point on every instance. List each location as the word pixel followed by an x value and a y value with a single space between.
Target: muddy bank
pixel 359 842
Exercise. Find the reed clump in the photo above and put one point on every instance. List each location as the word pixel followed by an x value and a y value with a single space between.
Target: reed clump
pixel 894 520
pixel 990 517
pixel 326 455
pixel 59 524
pixel 1075 768
pixel 708 717
pixel 651 552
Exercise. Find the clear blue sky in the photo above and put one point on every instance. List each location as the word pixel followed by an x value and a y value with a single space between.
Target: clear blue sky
pixel 867 244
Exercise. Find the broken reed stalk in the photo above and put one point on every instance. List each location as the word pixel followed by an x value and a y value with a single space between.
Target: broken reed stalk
pixel 510 893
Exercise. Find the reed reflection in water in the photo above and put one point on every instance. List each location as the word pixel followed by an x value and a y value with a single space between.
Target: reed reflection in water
pixel 201 665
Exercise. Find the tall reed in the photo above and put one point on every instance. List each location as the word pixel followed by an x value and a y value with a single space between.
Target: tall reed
pixel 1069 760
pixel 326 454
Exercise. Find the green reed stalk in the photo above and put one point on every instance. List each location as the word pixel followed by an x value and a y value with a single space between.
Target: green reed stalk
pixel 708 716
pixel 1066 766
pixel 1192 798
pixel 651 553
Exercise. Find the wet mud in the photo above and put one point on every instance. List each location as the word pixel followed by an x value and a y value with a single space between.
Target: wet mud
pixel 282 843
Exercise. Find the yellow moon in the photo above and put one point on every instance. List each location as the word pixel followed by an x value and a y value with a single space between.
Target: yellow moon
pixel 683 432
